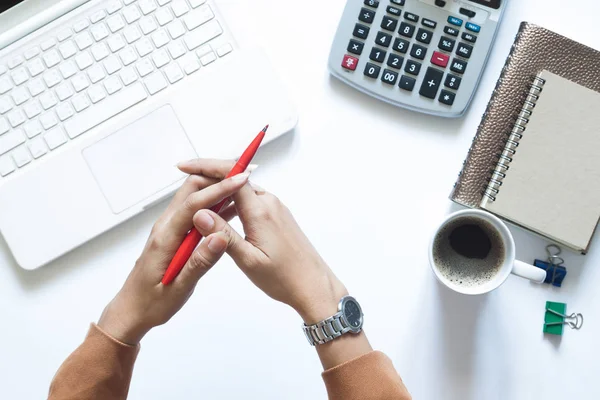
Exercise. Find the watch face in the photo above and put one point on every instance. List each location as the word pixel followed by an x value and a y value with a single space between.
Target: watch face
pixel 353 314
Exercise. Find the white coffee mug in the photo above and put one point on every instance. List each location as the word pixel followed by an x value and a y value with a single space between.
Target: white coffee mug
pixel 509 266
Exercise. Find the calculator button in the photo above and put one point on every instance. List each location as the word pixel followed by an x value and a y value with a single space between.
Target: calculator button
pixel 411 17
pixel 350 62
pixel 424 36
pixel 372 70
pixel 407 83
pixel 440 3
pixel 390 77
pixel 412 67
pixel 406 30
pixel 469 38
pixel 355 47
pixel 431 83
pixel 451 31
pixel 447 97
pixel 389 24
pixel 399 2
pixel 394 11
pixel 473 27
pixel 446 43
pixel 464 11
pixel 395 61
pixel 383 39
pixel 453 21
pixel 377 54
pixel 401 45
pixel 453 82
pixel 366 15
pixel 464 50
pixel 418 51
pixel 361 31
pixel 372 3
pixel 440 59
pixel 458 66
pixel 429 23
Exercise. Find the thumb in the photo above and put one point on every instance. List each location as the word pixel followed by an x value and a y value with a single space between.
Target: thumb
pixel 202 259
pixel 243 253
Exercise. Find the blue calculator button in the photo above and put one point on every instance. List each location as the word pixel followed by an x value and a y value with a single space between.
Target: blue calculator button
pixel 455 21
pixel 472 27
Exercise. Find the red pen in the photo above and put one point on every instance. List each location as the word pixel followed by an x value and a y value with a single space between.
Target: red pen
pixel 193 237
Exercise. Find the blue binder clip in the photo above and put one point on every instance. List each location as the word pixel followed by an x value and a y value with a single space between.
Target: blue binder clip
pixel 555 270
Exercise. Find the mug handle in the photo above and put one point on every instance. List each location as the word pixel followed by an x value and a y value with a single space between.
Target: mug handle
pixel 528 271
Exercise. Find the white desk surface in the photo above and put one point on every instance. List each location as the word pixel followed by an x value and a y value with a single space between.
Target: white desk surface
pixel 386 174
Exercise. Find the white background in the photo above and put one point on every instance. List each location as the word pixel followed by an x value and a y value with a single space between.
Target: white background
pixel 368 182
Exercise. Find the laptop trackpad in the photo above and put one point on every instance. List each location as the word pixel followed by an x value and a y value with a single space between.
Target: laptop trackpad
pixel 139 160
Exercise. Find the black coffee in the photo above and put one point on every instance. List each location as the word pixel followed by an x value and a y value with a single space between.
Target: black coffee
pixel 469 251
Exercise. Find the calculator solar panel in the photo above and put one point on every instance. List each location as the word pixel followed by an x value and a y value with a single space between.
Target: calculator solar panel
pixel 424 55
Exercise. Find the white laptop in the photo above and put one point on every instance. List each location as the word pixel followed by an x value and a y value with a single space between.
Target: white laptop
pixel 100 99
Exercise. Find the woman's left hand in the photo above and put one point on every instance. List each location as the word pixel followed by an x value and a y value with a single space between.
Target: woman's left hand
pixel 144 302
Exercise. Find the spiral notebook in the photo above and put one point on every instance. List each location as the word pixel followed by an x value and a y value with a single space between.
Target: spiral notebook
pixel 547 178
pixel 535 49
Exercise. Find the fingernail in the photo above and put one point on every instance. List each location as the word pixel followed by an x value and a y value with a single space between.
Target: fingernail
pixel 251 167
pixel 183 163
pixel 216 243
pixel 243 177
pixel 204 221
pixel 257 188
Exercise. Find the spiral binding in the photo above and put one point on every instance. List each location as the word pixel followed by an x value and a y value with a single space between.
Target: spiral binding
pixel 504 159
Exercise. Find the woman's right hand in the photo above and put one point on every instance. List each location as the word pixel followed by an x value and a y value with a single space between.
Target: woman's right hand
pixel 275 255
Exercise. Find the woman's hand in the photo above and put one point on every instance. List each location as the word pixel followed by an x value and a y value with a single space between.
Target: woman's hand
pixel 144 302
pixel 275 255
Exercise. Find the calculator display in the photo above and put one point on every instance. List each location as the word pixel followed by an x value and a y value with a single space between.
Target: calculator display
pixel 489 3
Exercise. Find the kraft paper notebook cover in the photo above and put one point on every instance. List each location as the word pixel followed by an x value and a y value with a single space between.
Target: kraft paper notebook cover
pixel 535 49
pixel 548 176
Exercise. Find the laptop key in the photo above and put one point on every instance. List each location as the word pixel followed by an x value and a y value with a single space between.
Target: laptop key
pixel 6 165
pixel 10 140
pixel 37 147
pixel 198 17
pixel 103 111
pixel 155 82
pixel 55 138
pixel 203 34
pixel 21 156
pixel 4 126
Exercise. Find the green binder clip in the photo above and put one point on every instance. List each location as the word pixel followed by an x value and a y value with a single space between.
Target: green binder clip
pixel 556 318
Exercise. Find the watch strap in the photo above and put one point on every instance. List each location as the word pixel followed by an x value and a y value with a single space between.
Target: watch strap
pixel 326 330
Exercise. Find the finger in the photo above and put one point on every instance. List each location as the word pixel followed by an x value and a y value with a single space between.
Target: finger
pixel 242 252
pixel 259 190
pixel 246 200
pixel 202 259
pixel 193 183
pixel 181 221
pixel 228 213
pixel 217 169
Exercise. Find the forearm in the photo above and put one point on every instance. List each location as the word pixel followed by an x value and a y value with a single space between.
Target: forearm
pixel 343 349
pixel 100 368
pixel 353 371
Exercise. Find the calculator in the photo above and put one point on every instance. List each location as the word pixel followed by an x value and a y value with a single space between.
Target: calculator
pixel 424 55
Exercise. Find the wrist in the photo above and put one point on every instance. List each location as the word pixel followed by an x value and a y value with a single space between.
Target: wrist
pixel 323 303
pixel 114 322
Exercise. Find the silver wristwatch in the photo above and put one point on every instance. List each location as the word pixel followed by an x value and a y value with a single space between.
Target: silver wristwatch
pixel 349 318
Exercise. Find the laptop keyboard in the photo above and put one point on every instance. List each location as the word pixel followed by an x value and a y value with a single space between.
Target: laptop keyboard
pixel 107 61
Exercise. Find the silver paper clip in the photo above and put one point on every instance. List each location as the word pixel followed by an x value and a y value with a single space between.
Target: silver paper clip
pixel 575 320
pixel 554 260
